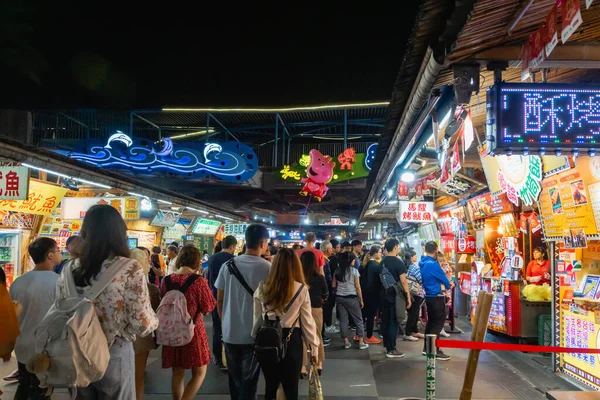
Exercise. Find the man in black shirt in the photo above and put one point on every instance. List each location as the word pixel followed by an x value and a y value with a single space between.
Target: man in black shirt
pixel 389 320
pixel 215 262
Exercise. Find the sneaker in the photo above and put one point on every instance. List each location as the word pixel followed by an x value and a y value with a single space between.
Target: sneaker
pixel 373 340
pixel 13 377
pixel 356 338
pixel 394 354
pixel 223 368
pixel 441 356
pixel 347 345
pixel 444 333
pixel 418 335
pixel 332 329
pixel 410 338
pixel 363 346
pixel 325 344
pixel 424 353
pixel 326 341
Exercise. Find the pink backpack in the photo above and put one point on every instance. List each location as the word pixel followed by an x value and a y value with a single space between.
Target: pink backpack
pixel 175 325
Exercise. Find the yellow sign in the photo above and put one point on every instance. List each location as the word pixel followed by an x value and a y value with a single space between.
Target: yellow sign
pixel 286 172
pixel 42 199
pixel 580 330
pixel 304 160
pixel 571 199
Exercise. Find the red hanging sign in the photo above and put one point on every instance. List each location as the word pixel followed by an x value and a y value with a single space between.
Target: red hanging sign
pixel 525 57
pixel 571 18
pixel 447 243
pixel 551 30
pixel 537 46
pixel 455 159
pixel 466 244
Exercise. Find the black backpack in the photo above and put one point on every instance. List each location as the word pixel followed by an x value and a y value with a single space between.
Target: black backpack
pixel 270 346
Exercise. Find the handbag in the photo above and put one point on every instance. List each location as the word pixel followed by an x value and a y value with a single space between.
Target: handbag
pixel 315 391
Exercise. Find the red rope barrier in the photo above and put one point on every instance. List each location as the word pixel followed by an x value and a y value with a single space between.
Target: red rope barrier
pixel 461 344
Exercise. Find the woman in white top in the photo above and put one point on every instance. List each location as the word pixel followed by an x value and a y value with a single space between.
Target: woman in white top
pixel 349 298
pixel 123 308
pixel 272 297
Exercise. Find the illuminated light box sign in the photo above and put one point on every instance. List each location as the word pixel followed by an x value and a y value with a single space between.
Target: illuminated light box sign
pixel 165 219
pixel 543 118
pixel 228 161
pixel 203 226
pixel 416 211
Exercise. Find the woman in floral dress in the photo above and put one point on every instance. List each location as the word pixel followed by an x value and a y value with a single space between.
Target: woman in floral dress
pixel 194 355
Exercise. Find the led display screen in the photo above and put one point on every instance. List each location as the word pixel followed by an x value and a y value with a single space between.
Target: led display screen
pixel 542 116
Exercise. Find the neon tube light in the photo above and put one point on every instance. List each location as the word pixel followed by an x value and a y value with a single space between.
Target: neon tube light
pixel 66 176
pixel 306 108
pixel 164 201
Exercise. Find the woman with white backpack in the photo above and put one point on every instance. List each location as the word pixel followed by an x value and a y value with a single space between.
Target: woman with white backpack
pixel 122 306
pixel 186 296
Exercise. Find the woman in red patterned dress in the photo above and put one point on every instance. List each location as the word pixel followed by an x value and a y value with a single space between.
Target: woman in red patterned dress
pixel 194 355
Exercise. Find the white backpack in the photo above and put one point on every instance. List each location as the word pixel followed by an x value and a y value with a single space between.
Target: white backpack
pixel 175 325
pixel 71 335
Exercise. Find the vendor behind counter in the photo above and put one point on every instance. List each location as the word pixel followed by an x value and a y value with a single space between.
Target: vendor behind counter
pixel 538 269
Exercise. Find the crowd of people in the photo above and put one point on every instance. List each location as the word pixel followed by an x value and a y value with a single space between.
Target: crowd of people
pixel 143 301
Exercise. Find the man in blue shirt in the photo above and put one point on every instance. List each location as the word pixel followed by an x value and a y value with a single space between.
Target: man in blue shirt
pixel 214 266
pixel 433 277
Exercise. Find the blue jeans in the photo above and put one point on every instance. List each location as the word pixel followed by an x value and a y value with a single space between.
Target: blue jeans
pixel 244 371
pixel 389 323
pixel 118 382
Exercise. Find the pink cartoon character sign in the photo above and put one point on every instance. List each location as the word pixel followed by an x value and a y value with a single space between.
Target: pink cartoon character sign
pixel 319 172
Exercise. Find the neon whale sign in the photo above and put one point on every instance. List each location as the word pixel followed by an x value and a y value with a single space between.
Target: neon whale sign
pixel 228 161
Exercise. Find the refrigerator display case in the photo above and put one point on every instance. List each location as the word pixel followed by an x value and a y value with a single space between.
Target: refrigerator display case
pixel 10 253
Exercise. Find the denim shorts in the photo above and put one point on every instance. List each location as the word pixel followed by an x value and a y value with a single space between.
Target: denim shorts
pixel 118 382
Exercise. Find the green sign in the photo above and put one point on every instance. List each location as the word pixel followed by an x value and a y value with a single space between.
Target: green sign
pixel 204 226
pixel 430 375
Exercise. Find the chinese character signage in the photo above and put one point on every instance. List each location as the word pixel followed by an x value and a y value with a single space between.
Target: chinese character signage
pixel 42 199
pixel 416 211
pixel 234 229
pixel 14 183
pixel 203 226
pixel 579 330
pixel 571 18
pixel 519 178
pixel 466 244
pixel 530 117
pixel 551 30
pixel 77 207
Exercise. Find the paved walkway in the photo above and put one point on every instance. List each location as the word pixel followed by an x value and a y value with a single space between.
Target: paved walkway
pixel 367 375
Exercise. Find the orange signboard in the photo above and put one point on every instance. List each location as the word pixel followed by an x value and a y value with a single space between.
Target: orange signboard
pixel 571 199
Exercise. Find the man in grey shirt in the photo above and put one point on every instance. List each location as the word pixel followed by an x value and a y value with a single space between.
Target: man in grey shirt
pixel 36 291
pixel 235 305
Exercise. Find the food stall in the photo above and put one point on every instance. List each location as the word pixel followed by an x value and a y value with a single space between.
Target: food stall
pixel 237 230
pixel 19 223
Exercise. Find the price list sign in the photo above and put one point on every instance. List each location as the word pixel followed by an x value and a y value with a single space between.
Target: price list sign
pixel 581 331
pixel 571 199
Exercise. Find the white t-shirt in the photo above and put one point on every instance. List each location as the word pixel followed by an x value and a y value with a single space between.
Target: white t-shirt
pixel 172 266
pixel 238 304
pixel 36 291
pixel 348 288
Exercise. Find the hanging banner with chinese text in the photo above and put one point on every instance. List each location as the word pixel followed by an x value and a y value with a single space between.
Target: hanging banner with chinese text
pixel 551 30
pixel 537 46
pixel 520 177
pixel 14 183
pixel 455 159
pixel 416 211
pixel 525 57
pixel 42 199
pixel 571 18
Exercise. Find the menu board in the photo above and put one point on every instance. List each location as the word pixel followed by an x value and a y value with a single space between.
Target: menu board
pixel 77 207
pixel 580 330
pixel 487 205
pixel 571 199
pixel 144 239
pixel 202 243
pixel 203 226
pixel 497 321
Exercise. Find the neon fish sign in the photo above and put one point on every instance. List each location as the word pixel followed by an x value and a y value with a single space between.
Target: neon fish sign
pixel 228 161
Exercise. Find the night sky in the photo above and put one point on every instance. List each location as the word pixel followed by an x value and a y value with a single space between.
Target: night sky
pixel 111 55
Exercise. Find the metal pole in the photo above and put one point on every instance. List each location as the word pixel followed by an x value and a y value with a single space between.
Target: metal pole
pixel 345 129
pixel 555 303
pixel 430 350
pixel 289 147
pixel 276 140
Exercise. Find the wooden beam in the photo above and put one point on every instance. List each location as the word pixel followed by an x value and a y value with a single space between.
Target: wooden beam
pixel 570 55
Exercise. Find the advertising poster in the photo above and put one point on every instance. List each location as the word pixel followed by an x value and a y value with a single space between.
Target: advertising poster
pixel 571 199
pixel 77 207
pixel 487 205
pixel 145 239
pixel 494 245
